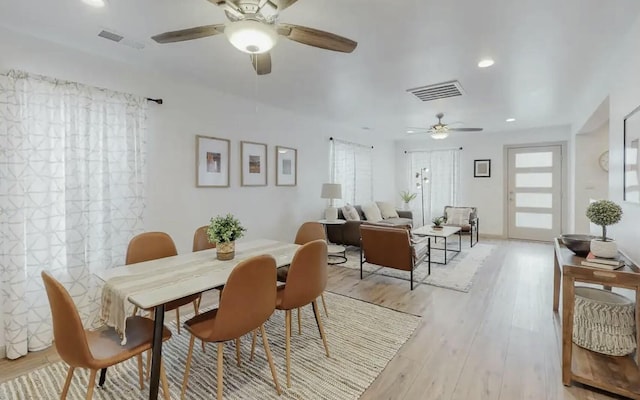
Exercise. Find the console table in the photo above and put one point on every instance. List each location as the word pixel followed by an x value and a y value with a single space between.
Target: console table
pixel 619 375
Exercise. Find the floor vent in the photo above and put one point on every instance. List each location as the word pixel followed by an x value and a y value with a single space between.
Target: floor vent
pixel 438 91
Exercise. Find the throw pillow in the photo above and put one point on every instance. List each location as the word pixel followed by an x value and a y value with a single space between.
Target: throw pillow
pixel 350 213
pixel 387 210
pixel 458 216
pixel 372 212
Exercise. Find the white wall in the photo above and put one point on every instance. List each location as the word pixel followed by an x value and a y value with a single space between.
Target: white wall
pixel 174 204
pixel 488 194
pixel 621 82
pixel 591 181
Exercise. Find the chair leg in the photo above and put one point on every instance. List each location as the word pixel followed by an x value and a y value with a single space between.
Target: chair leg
pixel 253 344
pixel 324 305
pixel 220 365
pixel 238 357
pixel 196 310
pixel 178 319
pixel 187 367
pixel 316 312
pixel 67 383
pixel 287 322
pixel 135 311
pixel 165 383
pixel 299 323
pixel 140 372
pixel 91 384
pixel 267 350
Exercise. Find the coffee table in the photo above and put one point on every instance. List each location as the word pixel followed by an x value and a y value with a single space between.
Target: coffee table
pixel 335 250
pixel 445 232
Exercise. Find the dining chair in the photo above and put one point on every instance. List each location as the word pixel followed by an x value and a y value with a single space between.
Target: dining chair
pixel 306 280
pixel 201 239
pixel 308 232
pixel 247 301
pixel 96 350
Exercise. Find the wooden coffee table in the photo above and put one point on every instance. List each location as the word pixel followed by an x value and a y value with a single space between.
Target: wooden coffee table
pixel 445 233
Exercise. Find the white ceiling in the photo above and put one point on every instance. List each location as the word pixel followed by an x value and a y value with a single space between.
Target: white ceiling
pixel 545 52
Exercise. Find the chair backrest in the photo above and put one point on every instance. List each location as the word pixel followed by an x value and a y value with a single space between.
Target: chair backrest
pixel 387 246
pixel 307 276
pixel 471 212
pixel 201 239
pixel 68 333
pixel 248 298
pixel 310 231
pixel 150 246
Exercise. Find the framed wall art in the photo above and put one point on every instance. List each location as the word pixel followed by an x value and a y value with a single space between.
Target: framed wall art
pixel 253 168
pixel 481 168
pixel 286 166
pixel 631 157
pixel 212 161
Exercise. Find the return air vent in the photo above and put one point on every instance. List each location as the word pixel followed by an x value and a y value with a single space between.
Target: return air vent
pixel 115 37
pixel 438 91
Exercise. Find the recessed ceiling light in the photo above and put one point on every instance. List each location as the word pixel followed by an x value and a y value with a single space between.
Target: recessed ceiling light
pixel 510 119
pixel 487 62
pixel 95 3
pixel 410 131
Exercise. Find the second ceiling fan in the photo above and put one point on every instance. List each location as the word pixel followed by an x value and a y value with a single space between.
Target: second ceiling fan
pixel 254 29
pixel 440 130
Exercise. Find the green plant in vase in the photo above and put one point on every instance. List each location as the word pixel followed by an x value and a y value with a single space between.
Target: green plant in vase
pixel 224 231
pixel 438 222
pixel 604 213
pixel 406 197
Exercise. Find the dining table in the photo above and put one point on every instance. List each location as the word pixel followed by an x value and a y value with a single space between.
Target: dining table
pixel 152 284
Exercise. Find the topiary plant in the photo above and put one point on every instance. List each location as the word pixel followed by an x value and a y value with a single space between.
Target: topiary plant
pixel 225 229
pixel 604 213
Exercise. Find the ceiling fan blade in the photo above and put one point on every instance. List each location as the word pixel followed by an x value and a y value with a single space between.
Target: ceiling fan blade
pixel 189 34
pixel 317 38
pixel 465 129
pixel 261 63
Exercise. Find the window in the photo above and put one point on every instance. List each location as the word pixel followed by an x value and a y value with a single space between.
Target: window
pixel 351 165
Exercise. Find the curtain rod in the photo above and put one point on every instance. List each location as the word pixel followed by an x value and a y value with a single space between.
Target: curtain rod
pixel 348 142
pixel 429 151
pixel 157 101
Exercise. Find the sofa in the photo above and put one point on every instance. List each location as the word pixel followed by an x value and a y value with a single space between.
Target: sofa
pixel 348 234
pixel 466 218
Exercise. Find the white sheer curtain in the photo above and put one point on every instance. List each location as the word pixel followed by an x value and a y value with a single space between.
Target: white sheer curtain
pixel 351 166
pixel 71 195
pixel 442 170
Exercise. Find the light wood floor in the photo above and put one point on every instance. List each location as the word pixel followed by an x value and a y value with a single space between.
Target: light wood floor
pixel 499 341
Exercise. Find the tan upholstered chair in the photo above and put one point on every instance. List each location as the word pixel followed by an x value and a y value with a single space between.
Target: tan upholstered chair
pixel 201 239
pixel 306 280
pixel 466 218
pixel 393 247
pixel 247 302
pixel 96 350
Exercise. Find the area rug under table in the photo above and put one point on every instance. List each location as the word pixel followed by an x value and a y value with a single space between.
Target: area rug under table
pixel 362 339
pixel 457 274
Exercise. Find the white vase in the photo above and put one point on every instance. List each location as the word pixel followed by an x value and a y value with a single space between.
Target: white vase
pixel 608 249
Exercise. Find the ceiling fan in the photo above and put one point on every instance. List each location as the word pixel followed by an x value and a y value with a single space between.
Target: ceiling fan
pixel 253 28
pixel 440 130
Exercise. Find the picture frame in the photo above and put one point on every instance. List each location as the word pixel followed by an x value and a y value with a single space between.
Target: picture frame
pixel 286 166
pixel 481 168
pixel 253 167
pixel 212 161
pixel 631 172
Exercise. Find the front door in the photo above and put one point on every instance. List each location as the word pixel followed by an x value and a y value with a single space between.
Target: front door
pixel 535 192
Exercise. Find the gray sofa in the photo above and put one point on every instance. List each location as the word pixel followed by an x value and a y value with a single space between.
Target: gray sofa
pixel 348 234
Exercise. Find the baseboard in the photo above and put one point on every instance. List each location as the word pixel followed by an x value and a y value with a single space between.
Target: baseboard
pixel 3 352
pixel 491 236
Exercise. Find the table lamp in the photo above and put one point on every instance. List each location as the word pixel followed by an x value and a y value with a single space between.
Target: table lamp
pixel 331 191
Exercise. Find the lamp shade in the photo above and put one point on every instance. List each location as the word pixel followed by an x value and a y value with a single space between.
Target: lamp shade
pixel 251 36
pixel 331 191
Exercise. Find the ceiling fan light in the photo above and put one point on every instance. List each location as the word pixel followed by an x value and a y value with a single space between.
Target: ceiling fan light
pixel 442 134
pixel 95 3
pixel 250 36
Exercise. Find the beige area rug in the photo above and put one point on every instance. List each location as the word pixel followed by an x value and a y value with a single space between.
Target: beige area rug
pixel 457 274
pixel 362 339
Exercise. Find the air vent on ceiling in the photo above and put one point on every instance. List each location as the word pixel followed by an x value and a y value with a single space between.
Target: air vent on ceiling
pixel 115 37
pixel 438 91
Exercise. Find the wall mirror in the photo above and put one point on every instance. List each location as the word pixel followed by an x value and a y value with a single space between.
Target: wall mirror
pixel 631 157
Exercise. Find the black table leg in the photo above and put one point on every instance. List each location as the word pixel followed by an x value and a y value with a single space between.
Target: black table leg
pixel 315 315
pixel 158 328
pixel 445 250
pixel 103 377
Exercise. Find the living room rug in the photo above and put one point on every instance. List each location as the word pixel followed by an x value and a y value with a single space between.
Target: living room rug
pixel 362 339
pixel 457 274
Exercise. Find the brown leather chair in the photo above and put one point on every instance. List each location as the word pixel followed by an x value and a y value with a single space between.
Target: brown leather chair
pixel 152 246
pixel 201 239
pixel 96 350
pixel 393 247
pixel 247 302
pixel 306 280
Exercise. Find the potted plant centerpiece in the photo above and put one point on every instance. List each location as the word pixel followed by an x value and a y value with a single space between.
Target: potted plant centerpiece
pixel 406 197
pixel 437 223
pixel 604 213
pixel 224 231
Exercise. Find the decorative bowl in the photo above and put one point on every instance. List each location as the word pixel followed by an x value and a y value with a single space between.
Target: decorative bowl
pixel 579 244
